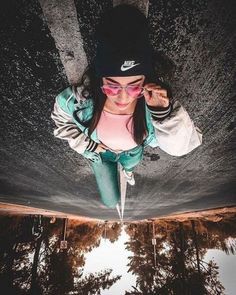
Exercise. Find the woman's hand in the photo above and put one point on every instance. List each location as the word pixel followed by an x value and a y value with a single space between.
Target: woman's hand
pixel 156 96
pixel 101 148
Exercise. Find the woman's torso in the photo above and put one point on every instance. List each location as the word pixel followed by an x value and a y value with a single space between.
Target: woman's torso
pixel 115 128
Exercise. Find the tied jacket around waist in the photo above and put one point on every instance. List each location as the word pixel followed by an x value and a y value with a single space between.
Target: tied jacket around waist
pixel 176 134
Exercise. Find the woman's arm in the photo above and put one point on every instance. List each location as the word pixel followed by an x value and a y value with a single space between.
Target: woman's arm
pixel 176 134
pixel 68 130
pixel 175 131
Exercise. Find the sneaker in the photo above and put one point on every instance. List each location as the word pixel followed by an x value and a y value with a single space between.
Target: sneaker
pixel 129 177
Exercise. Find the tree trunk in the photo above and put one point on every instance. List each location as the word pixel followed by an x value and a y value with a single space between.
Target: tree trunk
pixel 33 287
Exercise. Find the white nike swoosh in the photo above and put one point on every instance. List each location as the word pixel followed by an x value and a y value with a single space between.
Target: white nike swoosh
pixel 124 68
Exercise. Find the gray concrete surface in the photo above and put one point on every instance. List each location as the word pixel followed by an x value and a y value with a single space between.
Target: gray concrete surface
pixel 36 169
pixel 61 18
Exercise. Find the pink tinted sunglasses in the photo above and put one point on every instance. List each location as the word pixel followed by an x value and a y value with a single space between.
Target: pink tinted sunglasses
pixel 134 91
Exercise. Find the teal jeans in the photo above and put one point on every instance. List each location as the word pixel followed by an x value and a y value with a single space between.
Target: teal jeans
pixel 106 172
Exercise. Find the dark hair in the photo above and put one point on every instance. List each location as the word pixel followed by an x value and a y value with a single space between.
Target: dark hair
pixel 89 86
pixel 90 89
pixel 131 27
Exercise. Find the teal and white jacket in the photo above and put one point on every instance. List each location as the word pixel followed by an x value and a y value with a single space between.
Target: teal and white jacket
pixel 175 133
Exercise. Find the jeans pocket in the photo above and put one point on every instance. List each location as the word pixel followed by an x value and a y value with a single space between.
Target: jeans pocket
pixel 92 156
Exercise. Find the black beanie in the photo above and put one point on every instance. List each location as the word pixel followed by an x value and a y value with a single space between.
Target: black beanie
pixel 123 47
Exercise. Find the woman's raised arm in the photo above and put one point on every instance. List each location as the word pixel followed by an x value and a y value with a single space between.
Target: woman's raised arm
pixel 177 135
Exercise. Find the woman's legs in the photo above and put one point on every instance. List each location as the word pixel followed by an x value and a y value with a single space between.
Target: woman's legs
pixel 107 181
pixel 106 173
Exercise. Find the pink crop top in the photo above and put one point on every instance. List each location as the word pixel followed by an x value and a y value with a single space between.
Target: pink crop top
pixel 112 131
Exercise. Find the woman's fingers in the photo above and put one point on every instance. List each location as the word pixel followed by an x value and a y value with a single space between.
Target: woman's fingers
pixel 146 95
pixel 100 148
pixel 104 147
pixel 157 90
pixel 155 95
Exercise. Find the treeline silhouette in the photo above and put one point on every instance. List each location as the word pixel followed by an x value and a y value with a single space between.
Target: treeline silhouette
pixel 32 262
pixel 42 255
pixel 174 263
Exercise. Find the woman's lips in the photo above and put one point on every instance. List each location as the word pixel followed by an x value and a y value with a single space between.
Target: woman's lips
pixel 121 104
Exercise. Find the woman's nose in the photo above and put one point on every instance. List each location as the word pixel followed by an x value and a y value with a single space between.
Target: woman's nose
pixel 123 94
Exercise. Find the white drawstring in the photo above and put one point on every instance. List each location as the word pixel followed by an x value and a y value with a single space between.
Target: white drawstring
pixel 123 189
pixel 118 210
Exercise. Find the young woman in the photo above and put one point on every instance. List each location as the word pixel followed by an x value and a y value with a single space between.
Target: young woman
pixel 120 106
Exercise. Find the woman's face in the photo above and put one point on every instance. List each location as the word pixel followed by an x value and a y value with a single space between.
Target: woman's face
pixel 122 100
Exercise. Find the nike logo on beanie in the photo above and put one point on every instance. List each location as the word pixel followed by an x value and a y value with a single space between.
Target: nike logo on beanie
pixel 128 64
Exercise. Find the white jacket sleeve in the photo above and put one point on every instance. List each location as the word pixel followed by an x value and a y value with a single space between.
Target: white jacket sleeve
pixel 68 130
pixel 176 134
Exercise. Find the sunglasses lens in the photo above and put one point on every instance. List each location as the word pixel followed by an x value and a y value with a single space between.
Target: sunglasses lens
pixel 134 91
pixel 110 90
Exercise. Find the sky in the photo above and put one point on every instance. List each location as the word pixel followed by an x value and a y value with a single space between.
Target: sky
pixel 227 269
pixel 114 256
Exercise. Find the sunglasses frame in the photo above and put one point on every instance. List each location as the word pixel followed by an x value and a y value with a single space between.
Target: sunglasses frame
pixel 125 87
